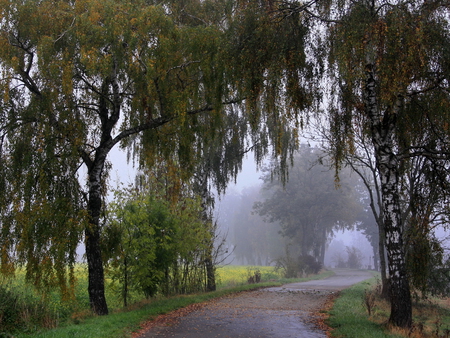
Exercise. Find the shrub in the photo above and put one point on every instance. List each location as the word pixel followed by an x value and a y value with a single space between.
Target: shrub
pixel 308 264
pixel 354 260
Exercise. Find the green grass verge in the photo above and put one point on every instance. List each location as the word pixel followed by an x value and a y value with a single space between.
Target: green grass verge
pixel 348 316
pixel 122 323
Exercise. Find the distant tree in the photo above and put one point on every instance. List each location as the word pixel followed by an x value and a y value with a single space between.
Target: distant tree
pixel 254 241
pixel 311 205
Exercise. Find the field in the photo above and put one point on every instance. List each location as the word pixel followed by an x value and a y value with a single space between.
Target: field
pixel 233 275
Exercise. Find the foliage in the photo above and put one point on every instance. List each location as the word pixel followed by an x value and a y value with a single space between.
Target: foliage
pixel 428 267
pixel 348 317
pixel 79 320
pixel 80 78
pixel 354 258
pixel 297 266
pixel 154 245
pixel 254 241
pixel 309 265
pixel 389 62
pixel 124 323
pixel 431 317
pixel 76 84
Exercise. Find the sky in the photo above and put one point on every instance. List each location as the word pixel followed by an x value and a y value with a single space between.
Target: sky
pixel 123 172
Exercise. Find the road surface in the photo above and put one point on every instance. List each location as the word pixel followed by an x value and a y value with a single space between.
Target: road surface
pixel 278 312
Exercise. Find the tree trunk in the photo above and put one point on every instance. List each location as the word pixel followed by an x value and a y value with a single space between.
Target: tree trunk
pixel 375 249
pixel 383 132
pixel 323 247
pixel 383 267
pixel 210 275
pixel 125 282
pixel 202 188
pixel 401 310
pixel 96 285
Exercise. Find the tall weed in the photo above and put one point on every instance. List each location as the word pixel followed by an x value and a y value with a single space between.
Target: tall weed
pixel 20 311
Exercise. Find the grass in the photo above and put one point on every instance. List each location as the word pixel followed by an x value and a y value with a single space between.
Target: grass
pixel 349 316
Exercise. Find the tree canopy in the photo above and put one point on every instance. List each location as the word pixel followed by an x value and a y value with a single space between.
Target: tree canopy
pixel 311 206
pixel 81 78
pixel 199 83
pixel 390 65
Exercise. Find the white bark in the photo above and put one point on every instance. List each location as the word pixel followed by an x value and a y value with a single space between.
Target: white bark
pixel 383 132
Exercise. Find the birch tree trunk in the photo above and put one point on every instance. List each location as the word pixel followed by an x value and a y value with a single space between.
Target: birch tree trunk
pixel 383 132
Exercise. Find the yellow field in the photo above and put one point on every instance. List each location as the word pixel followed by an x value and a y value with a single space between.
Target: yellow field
pixel 232 275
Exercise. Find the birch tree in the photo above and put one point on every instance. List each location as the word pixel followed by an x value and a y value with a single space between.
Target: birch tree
pixel 390 63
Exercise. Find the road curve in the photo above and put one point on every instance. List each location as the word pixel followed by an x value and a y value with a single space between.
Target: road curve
pixel 279 312
pixel 342 278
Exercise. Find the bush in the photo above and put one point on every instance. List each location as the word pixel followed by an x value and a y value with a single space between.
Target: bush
pixel 303 265
pixel 308 264
pixel 354 260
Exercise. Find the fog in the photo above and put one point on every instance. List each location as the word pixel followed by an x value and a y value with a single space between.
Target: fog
pixel 233 224
pixel 249 180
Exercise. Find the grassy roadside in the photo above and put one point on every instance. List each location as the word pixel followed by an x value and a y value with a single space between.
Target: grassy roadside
pixel 121 324
pixel 349 316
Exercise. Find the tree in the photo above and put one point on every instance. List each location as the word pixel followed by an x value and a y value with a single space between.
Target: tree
pixel 78 80
pixel 362 162
pixel 354 257
pixel 426 195
pixel 390 63
pixel 310 206
pixel 255 241
pixel 82 78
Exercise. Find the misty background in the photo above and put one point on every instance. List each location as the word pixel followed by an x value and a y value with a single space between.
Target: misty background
pixel 249 239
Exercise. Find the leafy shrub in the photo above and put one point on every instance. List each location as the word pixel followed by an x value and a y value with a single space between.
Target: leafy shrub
pixel 254 277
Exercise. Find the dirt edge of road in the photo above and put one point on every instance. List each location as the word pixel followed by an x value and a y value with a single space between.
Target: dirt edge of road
pixel 319 317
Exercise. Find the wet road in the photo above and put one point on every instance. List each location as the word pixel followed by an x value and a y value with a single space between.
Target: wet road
pixel 278 312
pixel 342 279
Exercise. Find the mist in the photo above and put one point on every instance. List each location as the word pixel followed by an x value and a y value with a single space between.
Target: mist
pixel 252 239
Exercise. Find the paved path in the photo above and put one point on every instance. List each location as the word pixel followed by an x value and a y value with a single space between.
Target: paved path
pixel 278 312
